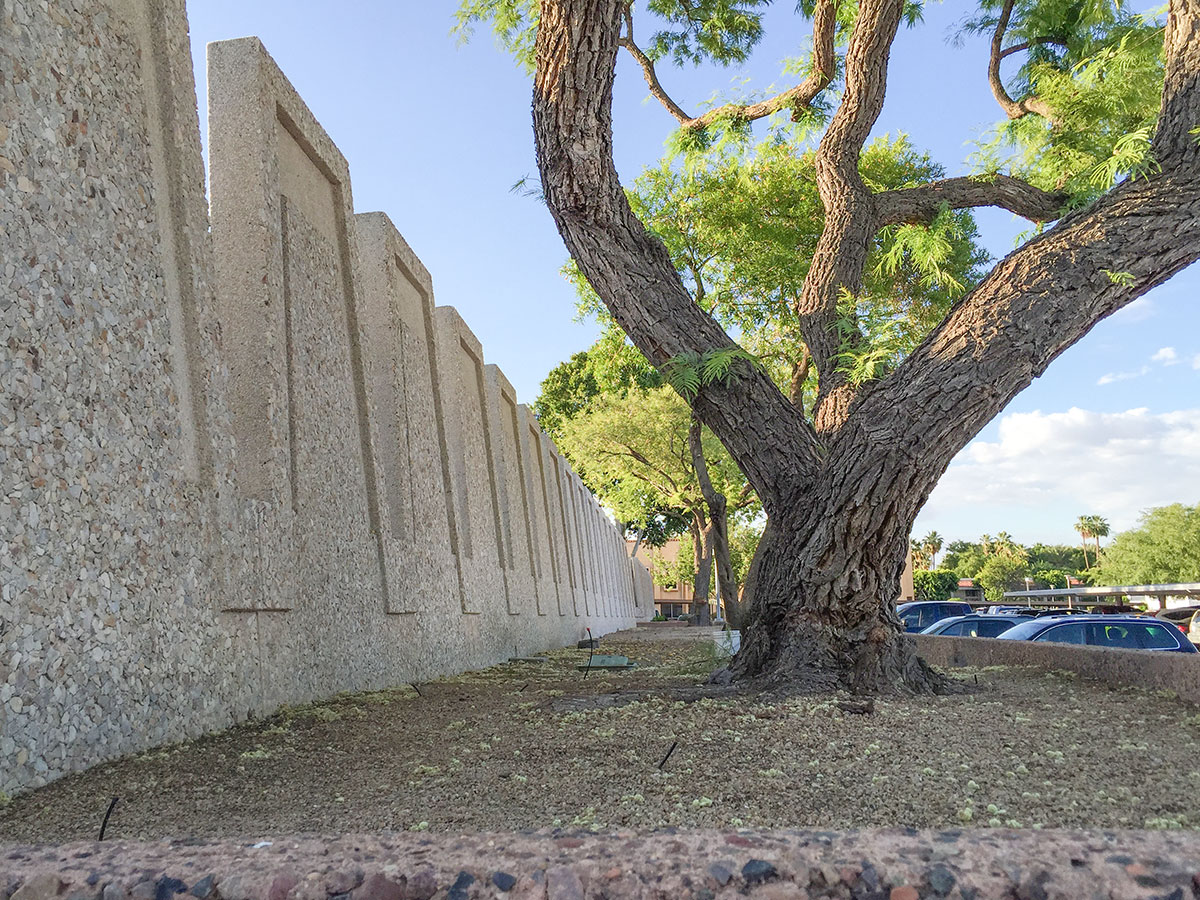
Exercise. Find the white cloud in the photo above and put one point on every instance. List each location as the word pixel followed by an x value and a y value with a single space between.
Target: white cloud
pixel 1111 377
pixel 1046 469
pixel 1164 356
pixel 1196 362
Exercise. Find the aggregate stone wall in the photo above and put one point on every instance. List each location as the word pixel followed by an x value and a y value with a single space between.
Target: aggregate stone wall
pixel 1176 672
pixel 248 466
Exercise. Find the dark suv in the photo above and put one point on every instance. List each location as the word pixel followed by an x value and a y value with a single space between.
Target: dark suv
pixel 920 614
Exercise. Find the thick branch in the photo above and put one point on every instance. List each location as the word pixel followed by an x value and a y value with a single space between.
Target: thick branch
pixel 919 205
pixel 1034 304
pixel 841 252
pixel 1014 109
pixel 797 98
pixel 630 269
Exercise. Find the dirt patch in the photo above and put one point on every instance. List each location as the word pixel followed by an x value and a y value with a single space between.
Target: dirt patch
pixel 539 746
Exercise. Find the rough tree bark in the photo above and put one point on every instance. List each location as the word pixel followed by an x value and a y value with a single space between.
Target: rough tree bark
pixel 841 494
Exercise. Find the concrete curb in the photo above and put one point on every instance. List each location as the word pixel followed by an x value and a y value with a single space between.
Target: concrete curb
pixel 893 864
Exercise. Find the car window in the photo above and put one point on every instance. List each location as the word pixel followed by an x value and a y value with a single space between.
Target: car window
pixel 911 619
pixel 1110 635
pixel 1155 637
pixel 929 615
pixel 955 628
pixel 991 629
pixel 1070 633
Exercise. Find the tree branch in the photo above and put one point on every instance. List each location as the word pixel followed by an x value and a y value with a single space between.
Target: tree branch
pixel 850 224
pixel 1014 109
pixel 1034 42
pixel 824 63
pixel 651 76
pixel 920 205
pixel 630 269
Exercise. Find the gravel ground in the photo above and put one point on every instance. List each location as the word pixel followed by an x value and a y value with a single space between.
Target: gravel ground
pixel 539 746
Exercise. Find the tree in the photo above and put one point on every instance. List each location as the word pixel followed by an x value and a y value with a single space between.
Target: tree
pixel 645 455
pixel 1002 573
pixel 841 482
pixel 1084 525
pixel 1163 549
pixel 935 584
pixel 1099 527
pixel 932 545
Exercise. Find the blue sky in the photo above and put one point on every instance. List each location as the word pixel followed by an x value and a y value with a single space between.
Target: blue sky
pixel 437 133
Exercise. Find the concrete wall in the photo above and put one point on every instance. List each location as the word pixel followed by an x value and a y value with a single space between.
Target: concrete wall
pixel 248 466
pixel 1178 672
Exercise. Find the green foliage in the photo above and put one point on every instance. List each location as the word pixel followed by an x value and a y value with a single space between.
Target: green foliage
pixel 513 22
pixel 632 450
pixel 1050 578
pixel 697 31
pixel 934 584
pixel 1163 549
pixel 1000 574
pixel 743 543
pixel 741 229
pixel 1099 68
pixel 689 372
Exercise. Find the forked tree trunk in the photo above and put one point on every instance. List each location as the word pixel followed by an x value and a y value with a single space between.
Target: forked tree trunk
pixel 841 493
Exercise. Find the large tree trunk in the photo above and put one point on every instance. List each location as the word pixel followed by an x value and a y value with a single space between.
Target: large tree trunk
pixel 841 494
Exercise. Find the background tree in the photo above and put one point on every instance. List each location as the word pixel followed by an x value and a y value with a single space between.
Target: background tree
pixel 934 584
pixel 932 544
pixel 919 554
pixel 842 481
pixel 637 451
pixel 1084 525
pixel 1163 549
pixel 1002 573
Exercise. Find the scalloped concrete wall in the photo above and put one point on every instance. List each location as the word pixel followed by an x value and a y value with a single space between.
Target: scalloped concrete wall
pixel 245 467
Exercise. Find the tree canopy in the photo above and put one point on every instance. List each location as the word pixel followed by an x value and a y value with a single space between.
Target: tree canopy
pixel 1095 144
pixel 1163 549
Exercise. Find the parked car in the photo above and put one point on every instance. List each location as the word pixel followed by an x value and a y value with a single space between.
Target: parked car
pixel 990 625
pixel 917 615
pixel 1007 611
pixel 1127 632
pixel 1180 616
pixel 1062 611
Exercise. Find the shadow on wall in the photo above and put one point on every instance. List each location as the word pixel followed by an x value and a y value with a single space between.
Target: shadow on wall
pixel 250 466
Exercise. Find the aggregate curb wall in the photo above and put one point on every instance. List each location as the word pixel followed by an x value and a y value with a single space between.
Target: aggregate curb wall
pixel 893 864
pixel 1177 672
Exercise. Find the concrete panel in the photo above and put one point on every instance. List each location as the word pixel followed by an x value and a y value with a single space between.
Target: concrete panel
pixel 517 498
pixel 540 525
pixel 109 418
pixel 474 492
pixel 289 302
pixel 406 409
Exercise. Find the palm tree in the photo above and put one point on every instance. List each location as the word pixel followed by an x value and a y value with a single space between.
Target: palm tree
pixel 1099 529
pixel 1084 526
pixel 920 557
pixel 932 545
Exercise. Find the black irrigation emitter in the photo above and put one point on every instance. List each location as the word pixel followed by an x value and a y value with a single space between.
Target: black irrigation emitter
pixel 104 824
pixel 674 744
